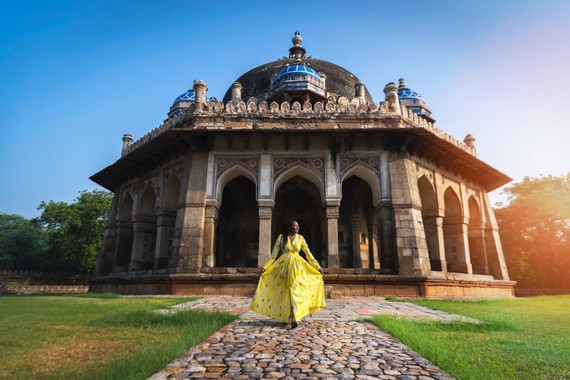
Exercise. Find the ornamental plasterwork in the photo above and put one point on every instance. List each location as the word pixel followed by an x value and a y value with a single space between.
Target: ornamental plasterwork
pixel 173 171
pixel 423 171
pixel 315 164
pixel 348 161
pixel 248 163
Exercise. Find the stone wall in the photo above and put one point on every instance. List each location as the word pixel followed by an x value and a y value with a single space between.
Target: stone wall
pixel 43 289
pixel 540 292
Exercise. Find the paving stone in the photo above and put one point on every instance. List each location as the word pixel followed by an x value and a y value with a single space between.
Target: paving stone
pixel 330 344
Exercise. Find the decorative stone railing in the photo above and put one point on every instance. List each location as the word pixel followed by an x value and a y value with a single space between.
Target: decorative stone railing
pixel 284 109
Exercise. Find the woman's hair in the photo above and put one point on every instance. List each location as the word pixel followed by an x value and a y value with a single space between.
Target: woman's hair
pixel 285 232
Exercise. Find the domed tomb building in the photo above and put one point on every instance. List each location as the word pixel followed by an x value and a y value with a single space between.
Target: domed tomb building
pixel 388 203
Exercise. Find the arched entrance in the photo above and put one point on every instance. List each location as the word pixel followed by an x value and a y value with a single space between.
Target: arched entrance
pixel 454 233
pixel 430 220
pixel 477 251
pixel 238 227
pixel 299 199
pixel 358 232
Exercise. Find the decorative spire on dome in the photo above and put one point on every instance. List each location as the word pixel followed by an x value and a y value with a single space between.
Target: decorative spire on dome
pixel 297 52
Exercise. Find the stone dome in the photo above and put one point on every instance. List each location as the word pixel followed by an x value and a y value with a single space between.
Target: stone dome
pixel 257 81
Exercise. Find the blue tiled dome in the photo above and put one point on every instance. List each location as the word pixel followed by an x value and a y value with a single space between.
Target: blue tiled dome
pixel 413 101
pixel 188 96
pixel 407 94
pixel 298 78
pixel 291 71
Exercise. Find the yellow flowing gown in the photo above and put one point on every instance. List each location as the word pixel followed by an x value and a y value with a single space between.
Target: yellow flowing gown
pixel 289 281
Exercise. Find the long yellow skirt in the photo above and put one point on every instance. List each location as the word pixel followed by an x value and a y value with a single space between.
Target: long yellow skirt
pixel 290 281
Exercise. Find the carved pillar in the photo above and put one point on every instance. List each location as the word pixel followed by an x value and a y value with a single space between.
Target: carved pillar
pixel 332 212
pixel 457 245
pixel 210 228
pixel 413 258
pixel 360 259
pixel 496 259
pixel 164 226
pixel 106 254
pixel 374 239
pixel 144 244
pixel 190 220
pixel 478 248
pixel 433 227
pixel 265 218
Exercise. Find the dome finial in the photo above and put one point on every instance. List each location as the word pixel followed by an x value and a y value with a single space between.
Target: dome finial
pixel 401 84
pixel 297 52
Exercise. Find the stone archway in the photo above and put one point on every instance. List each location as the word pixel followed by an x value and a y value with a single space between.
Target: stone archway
pixel 145 231
pixel 477 249
pixel 454 234
pixel 358 232
pixel 166 222
pixel 299 199
pixel 432 224
pixel 238 227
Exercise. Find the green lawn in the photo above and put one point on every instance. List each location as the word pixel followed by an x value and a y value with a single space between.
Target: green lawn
pixel 96 336
pixel 524 338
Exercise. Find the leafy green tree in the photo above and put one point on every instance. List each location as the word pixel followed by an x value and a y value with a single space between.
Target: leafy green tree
pixel 74 231
pixel 21 241
pixel 535 232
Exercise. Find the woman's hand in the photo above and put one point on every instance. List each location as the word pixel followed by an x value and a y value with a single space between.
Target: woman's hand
pixel 262 270
pixel 321 270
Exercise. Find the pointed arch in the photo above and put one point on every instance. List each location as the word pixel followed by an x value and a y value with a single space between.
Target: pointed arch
pixel 430 219
pixel 476 238
pixel 230 175
pixel 238 226
pixel 301 172
pixel 454 233
pixel 369 177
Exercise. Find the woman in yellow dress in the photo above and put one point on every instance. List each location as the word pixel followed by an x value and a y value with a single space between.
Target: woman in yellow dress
pixel 290 287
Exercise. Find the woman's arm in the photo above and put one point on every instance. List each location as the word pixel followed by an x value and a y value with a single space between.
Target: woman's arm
pixel 273 256
pixel 310 258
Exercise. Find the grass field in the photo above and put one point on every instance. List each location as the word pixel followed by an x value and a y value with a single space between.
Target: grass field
pixel 524 338
pixel 96 336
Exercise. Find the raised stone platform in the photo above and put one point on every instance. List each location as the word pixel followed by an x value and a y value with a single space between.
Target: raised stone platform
pixel 338 282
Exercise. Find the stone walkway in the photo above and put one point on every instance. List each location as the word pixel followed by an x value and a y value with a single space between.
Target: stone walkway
pixel 329 344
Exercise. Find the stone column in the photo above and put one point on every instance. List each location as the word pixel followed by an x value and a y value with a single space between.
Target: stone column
pixel 411 248
pixel 478 248
pixel 332 213
pixel 191 215
pixel 457 245
pixel 374 239
pixel 106 254
pixel 164 226
pixel 384 213
pixel 265 218
pixel 433 226
pixel 144 244
pixel 497 264
pixel 210 228
pixel 360 259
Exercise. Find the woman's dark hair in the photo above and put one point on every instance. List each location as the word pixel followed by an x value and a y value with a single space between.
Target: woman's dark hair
pixel 285 232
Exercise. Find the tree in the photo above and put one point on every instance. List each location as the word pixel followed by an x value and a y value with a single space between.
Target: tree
pixel 535 232
pixel 21 241
pixel 74 231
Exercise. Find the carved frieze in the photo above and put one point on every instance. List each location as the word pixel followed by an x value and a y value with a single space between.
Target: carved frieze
pixel 314 164
pixel 249 163
pixel 348 161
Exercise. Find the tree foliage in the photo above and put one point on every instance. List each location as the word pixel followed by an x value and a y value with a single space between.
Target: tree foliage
pixel 21 241
pixel 74 231
pixel 535 232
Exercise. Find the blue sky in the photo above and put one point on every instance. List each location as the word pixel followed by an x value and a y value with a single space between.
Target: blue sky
pixel 76 75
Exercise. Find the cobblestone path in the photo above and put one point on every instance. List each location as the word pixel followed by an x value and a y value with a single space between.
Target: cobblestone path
pixel 330 344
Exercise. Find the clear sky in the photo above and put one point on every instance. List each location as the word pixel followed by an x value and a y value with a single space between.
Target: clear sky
pixel 76 75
